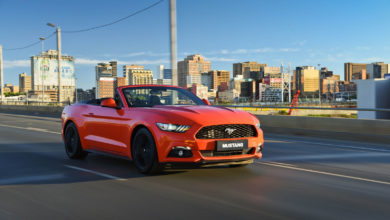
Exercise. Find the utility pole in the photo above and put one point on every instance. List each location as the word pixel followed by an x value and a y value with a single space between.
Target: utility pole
pixel 43 71
pixel 59 71
pixel 1 74
pixel 59 65
pixel 319 83
pixel 172 9
pixel 281 74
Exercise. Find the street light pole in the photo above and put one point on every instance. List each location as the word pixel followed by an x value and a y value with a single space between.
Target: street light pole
pixel 58 30
pixel 172 9
pixel 43 44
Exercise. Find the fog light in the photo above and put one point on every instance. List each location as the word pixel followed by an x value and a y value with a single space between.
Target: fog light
pixel 259 148
pixel 180 151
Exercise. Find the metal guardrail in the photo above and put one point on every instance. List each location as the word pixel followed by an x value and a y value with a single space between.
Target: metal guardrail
pixel 309 108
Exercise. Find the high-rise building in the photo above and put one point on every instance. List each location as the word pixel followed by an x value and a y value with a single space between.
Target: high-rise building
pixel 167 74
pixel 248 89
pixel 106 69
pixel 306 79
pixel 330 85
pixel 246 68
pixel 160 72
pixel 140 76
pixel 190 70
pixel 271 71
pixel 120 81
pixel 235 83
pixel 352 68
pixel 105 87
pixel 24 82
pixel 378 69
pixel 200 90
pixel 216 78
pixel 107 80
pixel 44 76
pixel 324 72
pixel 136 74
pixel 163 73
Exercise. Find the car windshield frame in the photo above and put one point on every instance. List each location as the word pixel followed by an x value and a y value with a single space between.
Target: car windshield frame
pixel 179 91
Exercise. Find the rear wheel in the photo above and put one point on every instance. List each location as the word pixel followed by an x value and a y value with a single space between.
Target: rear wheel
pixel 144 152
pixel 72 143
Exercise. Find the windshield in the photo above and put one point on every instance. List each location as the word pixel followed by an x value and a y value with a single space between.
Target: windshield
pixel 151 96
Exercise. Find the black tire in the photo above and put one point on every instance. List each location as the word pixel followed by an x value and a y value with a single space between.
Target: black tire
pixel 144 153
pixel 72 143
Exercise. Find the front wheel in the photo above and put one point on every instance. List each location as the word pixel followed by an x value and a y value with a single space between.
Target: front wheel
pixel 144 152
pixel 72 143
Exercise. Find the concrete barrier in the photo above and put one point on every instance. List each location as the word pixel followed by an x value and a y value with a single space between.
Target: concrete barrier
pixel 377 131
pixel 54 111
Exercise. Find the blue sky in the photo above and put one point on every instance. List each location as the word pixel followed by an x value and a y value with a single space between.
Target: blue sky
pixel 302 32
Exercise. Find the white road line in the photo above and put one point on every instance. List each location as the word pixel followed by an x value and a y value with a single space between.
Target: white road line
pixel 283 164
pixel 332 145
pixel 30 129
pixel 326 173
pixel 96 173
pixel 330 156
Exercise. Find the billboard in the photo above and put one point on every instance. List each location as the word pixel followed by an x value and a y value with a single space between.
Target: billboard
pixel 276 80
pixel 46 70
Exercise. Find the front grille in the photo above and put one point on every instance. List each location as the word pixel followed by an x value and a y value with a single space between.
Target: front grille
pixel 223 131
pixel 211 153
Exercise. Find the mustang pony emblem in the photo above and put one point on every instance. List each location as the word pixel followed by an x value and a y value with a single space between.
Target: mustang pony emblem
pixel 230 130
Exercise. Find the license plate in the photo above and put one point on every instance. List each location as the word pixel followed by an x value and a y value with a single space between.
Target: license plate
pixel 231 145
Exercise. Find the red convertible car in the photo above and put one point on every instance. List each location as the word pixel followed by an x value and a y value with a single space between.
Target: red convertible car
pixel 160 126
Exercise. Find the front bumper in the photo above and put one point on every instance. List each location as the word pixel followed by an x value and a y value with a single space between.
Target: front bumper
pixel 203 150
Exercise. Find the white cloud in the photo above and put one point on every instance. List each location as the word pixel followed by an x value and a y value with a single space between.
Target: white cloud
pixel 220 59
pixel 252 51
pixel 16 63
pixel 86 61
pixel 145 53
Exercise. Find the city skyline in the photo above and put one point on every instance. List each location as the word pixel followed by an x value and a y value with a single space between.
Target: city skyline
pixel 330 39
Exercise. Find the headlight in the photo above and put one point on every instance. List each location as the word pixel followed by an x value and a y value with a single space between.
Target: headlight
pixel 173 128
pixel 258 125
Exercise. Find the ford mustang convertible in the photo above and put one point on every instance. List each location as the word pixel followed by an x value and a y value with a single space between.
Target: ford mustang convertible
pixel 161 126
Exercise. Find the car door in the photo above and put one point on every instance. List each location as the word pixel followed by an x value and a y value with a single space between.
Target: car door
pixel 109 128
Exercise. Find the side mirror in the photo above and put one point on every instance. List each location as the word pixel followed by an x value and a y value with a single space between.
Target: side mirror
pixel 110 102
pixel 206 101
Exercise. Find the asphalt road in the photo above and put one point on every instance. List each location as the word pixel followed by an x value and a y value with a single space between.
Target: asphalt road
pixel 298 178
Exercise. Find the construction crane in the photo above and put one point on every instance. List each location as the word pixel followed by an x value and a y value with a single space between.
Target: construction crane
pixel 294 101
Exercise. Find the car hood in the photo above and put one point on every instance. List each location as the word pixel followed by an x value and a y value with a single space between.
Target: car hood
pixel 203 114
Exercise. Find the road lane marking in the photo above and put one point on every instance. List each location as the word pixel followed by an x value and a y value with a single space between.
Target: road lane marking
pixel 329 156
pixel 326 173
pixel 332 145
pixel 96 173
pixel 283 164
pixel 30 129
pixel 29 179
